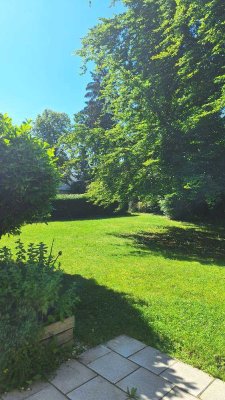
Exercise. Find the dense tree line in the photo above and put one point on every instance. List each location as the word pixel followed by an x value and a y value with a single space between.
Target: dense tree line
pixel 153 128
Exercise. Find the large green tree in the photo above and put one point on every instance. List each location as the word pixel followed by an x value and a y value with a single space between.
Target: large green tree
pixel 163 63
pixel 28 176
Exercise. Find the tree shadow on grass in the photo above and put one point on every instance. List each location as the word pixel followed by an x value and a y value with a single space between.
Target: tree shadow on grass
pixel 206 245
pixel 86 217
pixel 104 314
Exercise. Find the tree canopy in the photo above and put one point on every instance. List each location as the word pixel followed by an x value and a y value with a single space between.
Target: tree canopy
pixel 162 72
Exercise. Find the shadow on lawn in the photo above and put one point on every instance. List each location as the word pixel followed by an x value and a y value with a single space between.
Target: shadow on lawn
pixel 85 217
pixel 203 244
pixel 103 314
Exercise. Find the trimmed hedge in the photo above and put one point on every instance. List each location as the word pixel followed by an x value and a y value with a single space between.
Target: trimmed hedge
pixel 76 206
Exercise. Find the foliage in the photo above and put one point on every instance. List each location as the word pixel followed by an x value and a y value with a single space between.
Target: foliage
pixel 28 178
pixel 132 393
pixel 50 126
pixel 76 206
pixel 81 144
pixel 148 277
pixel 53 127
pixel 31 294
pixel 162 66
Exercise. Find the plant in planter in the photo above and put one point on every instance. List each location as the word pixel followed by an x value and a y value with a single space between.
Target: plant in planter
pixel 32 294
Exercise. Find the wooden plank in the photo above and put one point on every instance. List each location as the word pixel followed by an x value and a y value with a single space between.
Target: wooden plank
pixel 64 337
pixel 58 327
pixel 61 339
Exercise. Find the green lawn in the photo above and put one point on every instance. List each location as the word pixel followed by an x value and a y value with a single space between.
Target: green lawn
pixel 160 281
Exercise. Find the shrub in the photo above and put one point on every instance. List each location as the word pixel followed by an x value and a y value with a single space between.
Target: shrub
pixel 28 178
pixel 179 206
pixel 71 206
pixel 31 293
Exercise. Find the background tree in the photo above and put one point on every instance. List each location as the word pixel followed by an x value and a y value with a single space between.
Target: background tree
pixel 53 127
pixel 28 177
pixel 85 142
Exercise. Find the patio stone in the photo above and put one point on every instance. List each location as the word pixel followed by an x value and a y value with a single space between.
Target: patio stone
pixel 149 386
pixel 113 367
pixel 91 355
pixel 24 394
pixel 71 375
pixel 215 391
pixel 97 389
pixel 188 378
pixel 48 393
pixel 153 360
pixel 125 345
pixel 178 394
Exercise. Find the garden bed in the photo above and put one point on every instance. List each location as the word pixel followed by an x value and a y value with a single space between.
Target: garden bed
pixel 61 331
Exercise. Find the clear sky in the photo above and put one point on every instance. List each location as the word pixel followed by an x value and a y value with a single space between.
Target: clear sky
pixel 37 67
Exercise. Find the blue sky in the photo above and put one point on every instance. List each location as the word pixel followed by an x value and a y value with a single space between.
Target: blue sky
pixel 38 69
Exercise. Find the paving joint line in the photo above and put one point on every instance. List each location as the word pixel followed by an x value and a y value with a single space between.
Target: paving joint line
pixel 206 387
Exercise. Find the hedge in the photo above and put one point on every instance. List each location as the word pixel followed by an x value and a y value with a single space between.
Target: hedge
pixel 75 206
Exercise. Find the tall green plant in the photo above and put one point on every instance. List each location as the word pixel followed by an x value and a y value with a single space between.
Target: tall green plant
pixel 28 177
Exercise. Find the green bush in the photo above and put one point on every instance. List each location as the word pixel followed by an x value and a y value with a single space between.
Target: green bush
pixel 180 207
pixel 28 177
pixel 32 293
pixel 75 206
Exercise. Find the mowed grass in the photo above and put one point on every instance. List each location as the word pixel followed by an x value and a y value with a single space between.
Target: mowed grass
pixel 160 281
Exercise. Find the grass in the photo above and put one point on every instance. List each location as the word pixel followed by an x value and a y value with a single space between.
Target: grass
pixel 160 281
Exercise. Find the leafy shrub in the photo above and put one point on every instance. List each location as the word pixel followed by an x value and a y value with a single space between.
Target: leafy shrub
pixel 179 206
pixel 31 293
pixel 72 206
pixel 28 177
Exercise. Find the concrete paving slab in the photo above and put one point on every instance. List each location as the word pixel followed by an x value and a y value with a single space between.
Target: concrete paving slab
pixel 97 389
pixel 71 375
pixel 153 360
pixel 178 394
pixel 215 391
pixel 149 386
pixel 91 355
pixel 113 367
pixel 125 345
pixel 188 378
pixel 48 393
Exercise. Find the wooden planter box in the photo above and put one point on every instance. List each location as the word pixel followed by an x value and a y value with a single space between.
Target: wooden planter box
pixel 61 331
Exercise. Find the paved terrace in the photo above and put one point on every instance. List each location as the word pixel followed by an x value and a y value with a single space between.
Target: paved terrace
pixel 105 373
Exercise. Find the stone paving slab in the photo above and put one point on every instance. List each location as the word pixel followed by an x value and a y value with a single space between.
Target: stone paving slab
pixel 214 391
pixel 71 375
pixel 93 354
pixel 125 345
pixel 97 389
pixel 178 394
pixel 188 378
pixel 105 372
pixel 149 386
pixel 153 360
pixel 48 393
pixel 113 367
